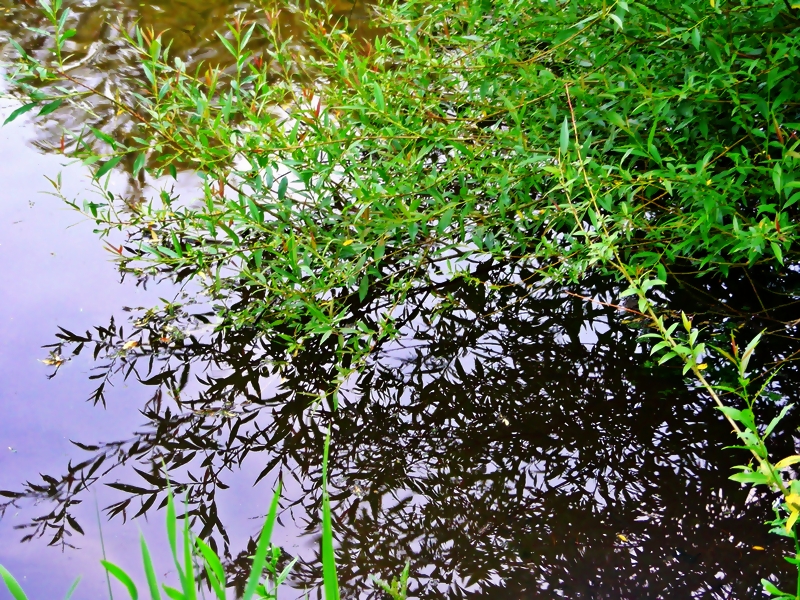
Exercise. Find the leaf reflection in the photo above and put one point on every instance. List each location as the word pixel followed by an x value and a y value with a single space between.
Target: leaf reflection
pixel 501 447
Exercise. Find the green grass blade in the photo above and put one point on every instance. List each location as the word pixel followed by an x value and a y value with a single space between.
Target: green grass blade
pixel 12 585
pixel 172 531
pixel 214 569
pixel 72 588
pixel 102 545
pixel 285 573
pixel 122 577
pixel 173 593
pixel 329 578
pixel 189 590
pixel 260 559
pixel 149 572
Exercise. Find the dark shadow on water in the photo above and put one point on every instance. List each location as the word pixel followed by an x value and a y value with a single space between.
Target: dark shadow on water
pixel 519 446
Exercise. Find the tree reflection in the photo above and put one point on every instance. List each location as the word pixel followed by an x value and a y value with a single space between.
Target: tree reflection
pixel 101 60
pixel 516 445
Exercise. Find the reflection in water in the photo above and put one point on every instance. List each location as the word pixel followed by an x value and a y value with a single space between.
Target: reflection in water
pixel 100 58
pixel 518 446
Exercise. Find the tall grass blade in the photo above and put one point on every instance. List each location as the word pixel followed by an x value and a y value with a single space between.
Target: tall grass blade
pixel 329 578
pixel 214 569
pixel 189 590
pixel 122 577
pixel 260 559
pixel 149 572
pixel 12 585
pixel 285 573
pixel 102 546
pixel 173 593
pixel 172 531
pixel 72 588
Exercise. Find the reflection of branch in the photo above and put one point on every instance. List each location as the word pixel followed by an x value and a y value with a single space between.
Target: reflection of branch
pixel 466 454
pixel 117 103
pixel 595 301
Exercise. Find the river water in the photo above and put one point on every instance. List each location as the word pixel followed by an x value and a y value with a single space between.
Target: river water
pixel 522 452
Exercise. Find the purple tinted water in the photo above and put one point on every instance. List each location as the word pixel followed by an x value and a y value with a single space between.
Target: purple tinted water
pixel 54 272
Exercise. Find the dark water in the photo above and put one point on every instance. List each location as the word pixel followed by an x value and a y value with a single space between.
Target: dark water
pixel 520 447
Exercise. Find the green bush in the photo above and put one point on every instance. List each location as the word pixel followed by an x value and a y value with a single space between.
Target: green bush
pixel 563 136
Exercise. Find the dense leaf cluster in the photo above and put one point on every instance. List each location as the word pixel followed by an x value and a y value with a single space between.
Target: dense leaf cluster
pixel 561 136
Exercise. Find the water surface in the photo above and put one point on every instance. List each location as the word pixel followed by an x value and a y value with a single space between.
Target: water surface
pixel 520 446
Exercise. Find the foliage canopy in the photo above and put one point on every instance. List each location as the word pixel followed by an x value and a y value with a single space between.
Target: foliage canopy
pixel 554 136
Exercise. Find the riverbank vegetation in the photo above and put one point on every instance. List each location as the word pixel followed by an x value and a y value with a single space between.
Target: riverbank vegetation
pixel 197 563
pixel 645 142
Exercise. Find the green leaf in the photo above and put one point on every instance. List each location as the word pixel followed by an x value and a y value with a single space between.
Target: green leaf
pixel 50 107
pixel 777 251
pixel 363 288
pixel 152 581
pixel 168 252
pixel 104 137
pixel 747 418
pixel 19 49
pixel 666 357
pixel 122 577
pixel 189 587
pixel 696 38
pixel 176 245
pixel 20 111
pixel 659 346
pixel 748 353
pixel 12 585
pixel 149 249
pixel 379 101
pixel 564 139
pixel 772 589
pixel 731 412
pixel 214 569
pixel 792 200
pixel 329 577
pixel 72 588
pixel 260 558
pixel 228 46
pixel 107 166
pixel 172 532
pixel 774 423
pixel 231 233
pixel 713 50
pixel 255 211
pixel 148 72
pixel 444 221
pixel 172 593
pixel 138 164
pixel 787 462
pixel 754 477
